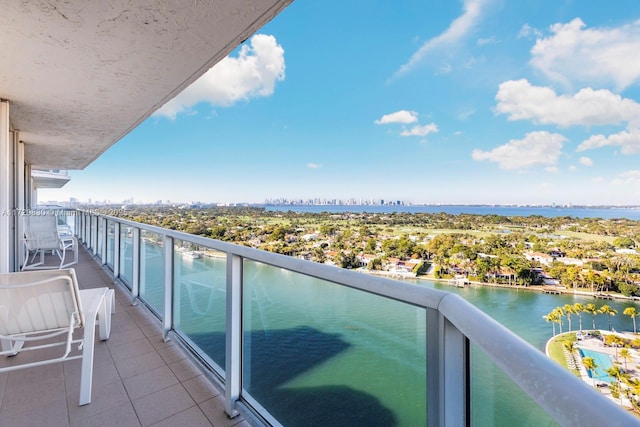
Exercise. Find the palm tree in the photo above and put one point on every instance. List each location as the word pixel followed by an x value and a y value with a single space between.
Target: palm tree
pixel 579 309
pixel 559 313
pixel 590 365
pixel 569 345
pixel 615 372
pixel 605 309
pixel 593 311
pixel 568 309
pixel 614 341
pixel 631 312
pixel 552 317
pixel 626 355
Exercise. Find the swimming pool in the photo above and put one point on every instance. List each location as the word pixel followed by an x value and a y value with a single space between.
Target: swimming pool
pixel 603 362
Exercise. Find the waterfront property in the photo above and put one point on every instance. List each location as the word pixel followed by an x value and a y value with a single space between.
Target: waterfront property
pixel 284 341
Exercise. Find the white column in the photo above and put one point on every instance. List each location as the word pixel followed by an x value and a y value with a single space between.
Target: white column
pixel 6 190
pixel 19 198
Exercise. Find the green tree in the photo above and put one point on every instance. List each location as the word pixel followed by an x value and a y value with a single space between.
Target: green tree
pixel 590 365
pixel 318 255
pixel 631 312
pixel 375 264
pixel 371 246
pixel 626 355
pixel 624 242
pixel 349 260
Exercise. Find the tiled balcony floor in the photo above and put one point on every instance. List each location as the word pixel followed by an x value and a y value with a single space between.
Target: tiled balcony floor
pixel 138 380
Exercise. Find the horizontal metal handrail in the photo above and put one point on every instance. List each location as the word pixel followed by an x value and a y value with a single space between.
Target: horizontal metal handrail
pixel 567 399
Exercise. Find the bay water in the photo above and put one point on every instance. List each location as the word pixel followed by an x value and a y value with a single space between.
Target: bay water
pixel 321 354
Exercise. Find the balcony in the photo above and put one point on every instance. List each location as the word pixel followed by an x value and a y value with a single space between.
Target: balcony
pixel 139 379
pixel 290 342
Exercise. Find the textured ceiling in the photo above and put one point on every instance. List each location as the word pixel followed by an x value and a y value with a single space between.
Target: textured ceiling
pixel 80 75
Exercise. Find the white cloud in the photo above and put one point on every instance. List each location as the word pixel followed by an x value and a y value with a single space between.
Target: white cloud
pixel 523 101
pixel 586 161
pixel 537 148
pixel 420 130
pixel 527 31
pixel 629 178
pixel 253 73
pixel 629 141
pixel 592 56
pixel 464 115
pixel 313 166
pixel 458 29
pixel 402 116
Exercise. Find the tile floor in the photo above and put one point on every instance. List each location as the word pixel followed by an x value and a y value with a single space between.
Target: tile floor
pixel 138 379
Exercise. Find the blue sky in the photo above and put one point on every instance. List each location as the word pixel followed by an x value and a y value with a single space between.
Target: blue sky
pixel 474 101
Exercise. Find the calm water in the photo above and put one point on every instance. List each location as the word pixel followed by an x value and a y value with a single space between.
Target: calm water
pixel 606 213
pixel 320 354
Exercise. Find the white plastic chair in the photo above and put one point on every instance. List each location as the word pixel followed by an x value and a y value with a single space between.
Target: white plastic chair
pixel 41 234
pixel 36 306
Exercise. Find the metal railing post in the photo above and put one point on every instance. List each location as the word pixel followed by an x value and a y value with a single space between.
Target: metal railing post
pixel 105 239
pixel 448 373
pixel 135 285
pixel 167 320
pixel 85 233
pixel 94 235
pixel 116 249
pixel 233 341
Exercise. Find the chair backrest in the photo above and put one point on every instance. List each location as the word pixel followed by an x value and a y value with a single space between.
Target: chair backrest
pixel 41 232
pixel 38 301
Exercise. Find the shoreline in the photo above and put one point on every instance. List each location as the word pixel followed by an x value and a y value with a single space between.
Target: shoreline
pixel 476 284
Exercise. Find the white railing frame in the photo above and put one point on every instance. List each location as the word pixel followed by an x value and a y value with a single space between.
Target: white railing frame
pixel 563 396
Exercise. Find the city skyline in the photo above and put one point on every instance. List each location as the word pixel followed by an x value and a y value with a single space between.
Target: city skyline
pixel 467 102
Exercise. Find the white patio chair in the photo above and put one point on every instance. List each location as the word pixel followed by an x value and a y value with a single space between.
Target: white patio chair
pixel 41 234
pixel 37 306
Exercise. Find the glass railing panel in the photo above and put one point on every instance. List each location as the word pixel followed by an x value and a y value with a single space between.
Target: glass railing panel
pixel 497 400
pixel 152 270
pixel 94 228
pixel 100 243
pixel 316 353
pixel 126 254
pixel 68 218
pixel 200 297
pixel 111 242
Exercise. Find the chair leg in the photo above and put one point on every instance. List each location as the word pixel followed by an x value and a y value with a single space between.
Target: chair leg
pixel 86 375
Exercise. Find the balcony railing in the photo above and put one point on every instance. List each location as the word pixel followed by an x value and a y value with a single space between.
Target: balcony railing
pixel 295 342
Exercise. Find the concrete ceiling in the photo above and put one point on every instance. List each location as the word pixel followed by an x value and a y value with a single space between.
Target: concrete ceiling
pixel 80 74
